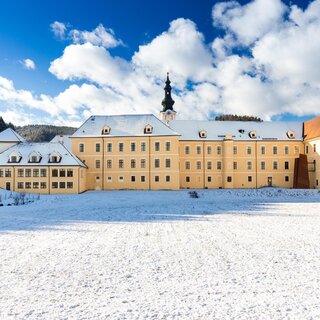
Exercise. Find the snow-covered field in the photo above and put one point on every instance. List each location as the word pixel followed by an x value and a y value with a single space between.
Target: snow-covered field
pixel 230 254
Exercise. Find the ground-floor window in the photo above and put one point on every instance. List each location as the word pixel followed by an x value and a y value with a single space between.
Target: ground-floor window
pixel 249 178
pixel 43 185
pixel 69 185
pixel 143 178
pixel 156 178
pixel 286 178
pixel 187 179
pixel 167 178
pixel 35 185
pixel 20 185
pixel 54 185
pixel 62 185
pixel 209 179
pixel 133 178
pixel 229 179
pixel 28 185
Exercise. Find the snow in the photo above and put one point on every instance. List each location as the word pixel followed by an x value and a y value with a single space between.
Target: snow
pixel 10 135
pixel 230 254
pixel 217 130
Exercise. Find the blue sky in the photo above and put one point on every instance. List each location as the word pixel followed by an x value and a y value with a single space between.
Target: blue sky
pixel 220 56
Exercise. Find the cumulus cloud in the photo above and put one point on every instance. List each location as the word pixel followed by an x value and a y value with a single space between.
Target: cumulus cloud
pixel 264 62
pixel 28 64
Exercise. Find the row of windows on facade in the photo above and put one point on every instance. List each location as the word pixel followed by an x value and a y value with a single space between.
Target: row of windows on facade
pixel 133 146
pixel 235 165
pixel 314 148
pixel 135 179
pixel 36 173
pixel 133 163
pixel 249 150
pixel 43 185
pixel 229 179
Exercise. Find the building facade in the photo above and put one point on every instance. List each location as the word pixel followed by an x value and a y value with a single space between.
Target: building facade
pixel 149 153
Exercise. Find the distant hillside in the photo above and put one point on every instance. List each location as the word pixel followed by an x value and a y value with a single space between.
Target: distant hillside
pixel 42 133
pixel 235 117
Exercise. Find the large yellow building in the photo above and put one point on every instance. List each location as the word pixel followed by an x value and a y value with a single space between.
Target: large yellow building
pixel 150 153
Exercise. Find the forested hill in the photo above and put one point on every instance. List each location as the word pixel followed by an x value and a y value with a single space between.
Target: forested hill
pixel 41 133
pixel 37 133
pixel 235 117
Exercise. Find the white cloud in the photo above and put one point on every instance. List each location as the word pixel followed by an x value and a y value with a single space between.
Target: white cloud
pixel 59 29
pixel 28 64
pixel 251 21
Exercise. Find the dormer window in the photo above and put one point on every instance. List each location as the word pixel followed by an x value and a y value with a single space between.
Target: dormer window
pixel 106 130
pixel 253 135
pixel 54 157
pixel 291 134
pixel 148 129
pixel 34 157
pixel 202 133
pixel 14 157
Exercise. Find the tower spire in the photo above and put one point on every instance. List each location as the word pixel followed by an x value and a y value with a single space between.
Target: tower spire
pixel 167 114
pixel 167 102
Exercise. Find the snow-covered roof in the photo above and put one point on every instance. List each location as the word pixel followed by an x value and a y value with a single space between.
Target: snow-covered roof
pixel 45 149
pixel 123 126
pixel 10 135
pixel 63 139
pixel 217 130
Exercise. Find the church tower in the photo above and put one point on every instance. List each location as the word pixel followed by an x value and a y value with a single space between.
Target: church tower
pixel 167 114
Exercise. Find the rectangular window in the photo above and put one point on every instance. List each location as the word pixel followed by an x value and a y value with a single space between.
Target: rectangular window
pixel 249 178
pixel 28 185
pixel 98 164
pixel 168 163
pixel 8 173
pixel 219 165
pixel 20 185
pixel 229 179
pixel 69 173
pixel 157 163
pixel 249 165
pixel 307 149
pixel 121 164
pixel 35 185
pixel 109 147
pixel 36 173
pixel 98 147
pixel 187 165
pixel 157 146
pixel 143 146
pixel 156 178
pixel 143 163
pixel 209 150
pixel 121 146
pixel 43 173
pixel 187 179
pixel 187 150
pixel 167 178
pixel 69 185
pixel 133 163
pixel 198 150
pixel 209 165
pixel 168 146
pixel 28 173
pixel 81 148
pixel 286 178
pixel 109 164
pixel 286 150
pixel 121 179
pixel 218 150
pixel 1 173
pixel 235 165
pixel 133 178
pixel 275 165
pixel 249 150
pixel 54 172
pixel 62 172
pixel 43 185
pixel 296 150
pixel 20 173
pixel 133 146
pixel 235 150
pixel 62 185
pixel 286 165
pixel 209 179
pixel 263 150
pixel 54 185
pixel 275 150
pixel 263 165
pixel 198 165
pixel 143 178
